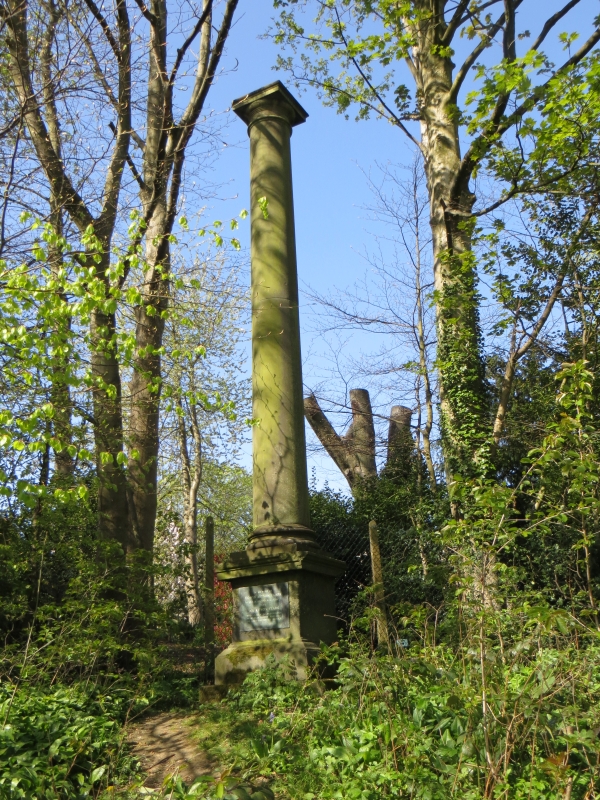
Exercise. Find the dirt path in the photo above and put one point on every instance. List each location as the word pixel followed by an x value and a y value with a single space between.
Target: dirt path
pixel 164 746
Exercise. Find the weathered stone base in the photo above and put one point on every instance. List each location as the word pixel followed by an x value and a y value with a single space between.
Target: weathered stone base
pixel 240 658
pixel 308 576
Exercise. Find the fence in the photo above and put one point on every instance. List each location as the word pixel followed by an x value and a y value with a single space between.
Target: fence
pixel 352 547
pixel 413 567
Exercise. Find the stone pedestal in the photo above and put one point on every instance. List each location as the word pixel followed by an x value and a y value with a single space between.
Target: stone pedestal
pixel 284 604
pixel 283 582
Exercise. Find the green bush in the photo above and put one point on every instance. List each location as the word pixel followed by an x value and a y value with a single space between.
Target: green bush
pixel 61 743
pixel 430 724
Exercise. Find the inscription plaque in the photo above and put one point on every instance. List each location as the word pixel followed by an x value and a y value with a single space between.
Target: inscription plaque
pixel 263 608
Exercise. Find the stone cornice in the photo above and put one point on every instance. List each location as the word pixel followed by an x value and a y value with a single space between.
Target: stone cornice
pixel 273 100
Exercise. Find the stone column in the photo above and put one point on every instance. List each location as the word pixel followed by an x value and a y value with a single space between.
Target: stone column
pixel 283 583
pixel 280 484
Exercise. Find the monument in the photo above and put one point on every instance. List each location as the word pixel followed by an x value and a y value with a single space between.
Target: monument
pixel 283 583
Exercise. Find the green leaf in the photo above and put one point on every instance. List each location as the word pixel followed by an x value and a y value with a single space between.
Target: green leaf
pixel 263 204
pixel 97 774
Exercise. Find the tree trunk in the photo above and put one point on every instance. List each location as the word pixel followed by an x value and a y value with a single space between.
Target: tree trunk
pixel 336 447
pixel 361 435
pixel 400 444
pixel 423 431
pixel 209 598
pixel 163 164
pixel 460 362
pixel 145 405
pixel 398 431
pixel 354 453
pixel 44 133
pixel 113 509
pixel 60 394
pixel 192 477
pixel 383 637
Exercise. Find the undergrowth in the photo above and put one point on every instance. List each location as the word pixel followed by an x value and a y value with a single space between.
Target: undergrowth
pixel 62 742
pixel 496 695
pixel 423 723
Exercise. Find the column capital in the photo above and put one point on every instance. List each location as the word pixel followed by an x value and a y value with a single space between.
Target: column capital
pixel 273 100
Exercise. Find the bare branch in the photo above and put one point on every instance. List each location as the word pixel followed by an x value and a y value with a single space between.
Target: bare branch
pixel 15 15
pixel 455 22
pixel 100 76
pixel 146 13
pixel 204 83
pixel 15 121
pixel 97 14
pixel 183 131
pixel 181 51
pixel 509 50
pixel 130 163
pixel 551 22
pixel 112 184
pixel 7 188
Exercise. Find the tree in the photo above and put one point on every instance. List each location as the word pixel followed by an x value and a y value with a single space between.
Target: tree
pixel 369 41
pixel 550 259
pixel 204 419
pixel 355 453
pixel 393 302
pixel 98 55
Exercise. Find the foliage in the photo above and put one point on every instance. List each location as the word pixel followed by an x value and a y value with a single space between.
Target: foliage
pixel 225 494
pixel 430 724
pixel 555 504
pixel 522 125
pixel 40 309
pixel 491 684
pixel 86 640
pixel 497 693
pixel 44 317
pixel 61 742
pixel 86 647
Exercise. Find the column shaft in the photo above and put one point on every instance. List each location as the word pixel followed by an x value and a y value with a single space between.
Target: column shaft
pixel 280 484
